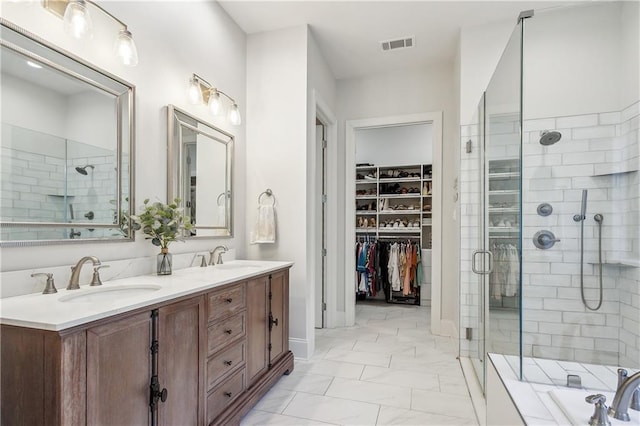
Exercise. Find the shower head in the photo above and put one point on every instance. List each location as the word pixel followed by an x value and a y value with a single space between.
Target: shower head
pixel 549 137
pixel 83 170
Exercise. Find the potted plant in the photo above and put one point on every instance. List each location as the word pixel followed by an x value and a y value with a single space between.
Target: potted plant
pixel 163 224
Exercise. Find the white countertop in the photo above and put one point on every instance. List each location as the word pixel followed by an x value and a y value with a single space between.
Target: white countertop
pixel 52 312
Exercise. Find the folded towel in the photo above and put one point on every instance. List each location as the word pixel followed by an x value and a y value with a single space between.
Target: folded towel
pixel 265 227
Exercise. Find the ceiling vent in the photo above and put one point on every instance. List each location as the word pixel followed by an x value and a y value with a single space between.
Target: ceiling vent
pixel 400 43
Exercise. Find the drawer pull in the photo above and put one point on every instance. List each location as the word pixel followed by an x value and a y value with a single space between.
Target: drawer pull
pixel 228 362
pixel 228 331
pixel 228 394
pixel 228 300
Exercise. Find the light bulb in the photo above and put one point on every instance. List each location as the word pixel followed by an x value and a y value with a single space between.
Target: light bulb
pixel 234 115
pixel 125 48
pixel 195 94
pixel 77 21
pixel 215 105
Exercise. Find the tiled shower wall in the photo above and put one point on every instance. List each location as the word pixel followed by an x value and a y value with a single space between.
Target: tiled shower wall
pixel 597 152
pixel 33 187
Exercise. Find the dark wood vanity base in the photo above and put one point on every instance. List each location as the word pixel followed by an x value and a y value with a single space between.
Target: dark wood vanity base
pixel 202 359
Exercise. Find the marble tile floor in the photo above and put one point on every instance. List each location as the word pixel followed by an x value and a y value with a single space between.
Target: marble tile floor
pixel 386 370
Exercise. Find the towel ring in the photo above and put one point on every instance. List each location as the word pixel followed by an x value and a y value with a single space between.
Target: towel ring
pixel 268 193
pixel 218 200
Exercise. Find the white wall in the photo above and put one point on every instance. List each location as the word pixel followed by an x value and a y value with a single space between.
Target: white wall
pixel 409 92
pixel 277 159
pixel 559 47
pixel 480 50
pixel 397 145
pixel 175 43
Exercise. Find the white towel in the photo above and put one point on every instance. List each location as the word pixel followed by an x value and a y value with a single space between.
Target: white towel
pixel 265 228
pixel 222 213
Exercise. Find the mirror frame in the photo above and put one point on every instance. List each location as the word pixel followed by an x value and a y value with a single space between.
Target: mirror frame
pixel 59 55
pixel 175 172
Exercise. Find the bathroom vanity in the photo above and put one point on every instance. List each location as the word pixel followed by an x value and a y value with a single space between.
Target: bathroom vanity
pixel 201 346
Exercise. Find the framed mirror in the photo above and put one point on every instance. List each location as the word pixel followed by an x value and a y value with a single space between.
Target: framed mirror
pixel 200 164
pixel 66 146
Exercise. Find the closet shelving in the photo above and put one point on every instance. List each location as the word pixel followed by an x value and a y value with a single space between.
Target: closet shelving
pixel 393 203
pixel 390 204
pixel 504 228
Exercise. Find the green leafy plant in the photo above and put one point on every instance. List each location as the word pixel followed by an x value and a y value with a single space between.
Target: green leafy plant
pixel 162 223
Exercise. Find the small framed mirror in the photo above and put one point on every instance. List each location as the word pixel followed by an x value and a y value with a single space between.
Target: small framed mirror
pixel 66 146
pixel 200 165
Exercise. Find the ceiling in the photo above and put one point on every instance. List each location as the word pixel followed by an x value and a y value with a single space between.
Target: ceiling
pixel 349 32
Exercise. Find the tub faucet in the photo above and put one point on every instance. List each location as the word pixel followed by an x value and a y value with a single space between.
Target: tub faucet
pixel 213 252
pixel 74 281
pixel 626 396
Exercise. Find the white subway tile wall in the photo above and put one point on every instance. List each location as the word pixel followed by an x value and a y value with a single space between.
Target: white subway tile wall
pixel 45 188
pixel 597 152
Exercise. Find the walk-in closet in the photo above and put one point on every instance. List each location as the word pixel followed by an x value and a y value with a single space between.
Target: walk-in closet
pixel 393 214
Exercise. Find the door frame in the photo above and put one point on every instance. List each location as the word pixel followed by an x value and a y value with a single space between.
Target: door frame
pixel 322 111
pixel 435 119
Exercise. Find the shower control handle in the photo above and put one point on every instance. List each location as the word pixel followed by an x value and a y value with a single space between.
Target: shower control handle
pixel 544 239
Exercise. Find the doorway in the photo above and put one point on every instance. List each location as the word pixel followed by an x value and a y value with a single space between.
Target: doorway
pixel 352 126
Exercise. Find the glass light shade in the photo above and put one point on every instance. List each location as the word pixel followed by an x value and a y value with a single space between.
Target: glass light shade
pixel 215 104
pixel 234 115
pixel 125 48
pixel 195 94
pixel 77 21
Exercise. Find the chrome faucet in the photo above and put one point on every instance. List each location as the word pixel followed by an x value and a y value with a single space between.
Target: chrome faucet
pixel 212 254
pixel 625 395
pixel 74 283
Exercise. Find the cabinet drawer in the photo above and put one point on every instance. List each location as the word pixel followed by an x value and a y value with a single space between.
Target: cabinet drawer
pixel 221 333
pixel 223 395
pixel 225 361
pixel 226 302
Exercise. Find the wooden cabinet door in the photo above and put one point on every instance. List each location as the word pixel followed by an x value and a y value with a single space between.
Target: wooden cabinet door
pixel 279 295
pixel 181 332
pixel 257 328
pixel 118 372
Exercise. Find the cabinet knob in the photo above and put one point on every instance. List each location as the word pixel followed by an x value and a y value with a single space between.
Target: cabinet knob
pixel 228 331
pixel 228 394
pixel 163 395
pixel 228 362
pixel 228 300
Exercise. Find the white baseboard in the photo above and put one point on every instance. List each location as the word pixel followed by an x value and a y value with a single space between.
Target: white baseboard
pixel 300 348
pixel 448 328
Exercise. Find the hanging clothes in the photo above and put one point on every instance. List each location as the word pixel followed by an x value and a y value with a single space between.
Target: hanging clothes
pixel 504 279
pixel 394 267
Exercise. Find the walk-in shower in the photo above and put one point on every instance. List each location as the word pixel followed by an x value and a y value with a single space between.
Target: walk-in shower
pixel 577 290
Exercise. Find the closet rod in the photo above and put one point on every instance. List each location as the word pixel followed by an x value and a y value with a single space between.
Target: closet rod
pixel 394 237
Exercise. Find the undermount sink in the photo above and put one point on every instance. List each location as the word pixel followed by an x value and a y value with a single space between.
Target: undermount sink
pixel 104 294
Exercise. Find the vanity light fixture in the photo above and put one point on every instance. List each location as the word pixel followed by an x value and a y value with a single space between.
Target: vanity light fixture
pixel 201 92
pixel 78 24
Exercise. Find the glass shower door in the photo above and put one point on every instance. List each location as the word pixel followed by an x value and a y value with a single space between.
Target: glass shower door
pixel 503 150
pixel 473 259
